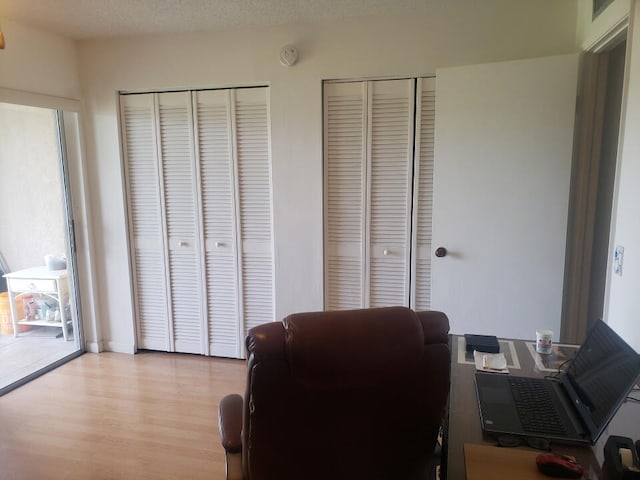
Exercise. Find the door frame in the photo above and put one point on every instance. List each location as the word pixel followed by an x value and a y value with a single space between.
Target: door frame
pixel 585 175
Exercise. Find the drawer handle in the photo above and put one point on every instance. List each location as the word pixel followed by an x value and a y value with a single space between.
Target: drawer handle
pixel 182 244
pixel 386 252
pixel 32 286
pixel 219 244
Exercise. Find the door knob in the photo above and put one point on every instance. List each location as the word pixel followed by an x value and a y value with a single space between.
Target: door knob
pixel 386 251
pixel 182 244
pixel 441 252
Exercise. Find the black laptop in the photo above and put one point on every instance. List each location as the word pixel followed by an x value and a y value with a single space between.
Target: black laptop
pixel 574 408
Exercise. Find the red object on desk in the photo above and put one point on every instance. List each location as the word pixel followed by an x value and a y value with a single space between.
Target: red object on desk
pixel 558 466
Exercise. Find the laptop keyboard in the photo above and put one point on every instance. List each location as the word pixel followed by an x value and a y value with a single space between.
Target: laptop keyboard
pixel 535 406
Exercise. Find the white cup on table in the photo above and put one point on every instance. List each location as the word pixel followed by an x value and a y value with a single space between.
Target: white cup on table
pixel 544 341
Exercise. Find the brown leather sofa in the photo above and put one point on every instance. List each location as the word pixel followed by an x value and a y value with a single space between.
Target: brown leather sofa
pixel 352 395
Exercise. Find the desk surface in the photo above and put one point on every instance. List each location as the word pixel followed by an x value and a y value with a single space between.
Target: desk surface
pixel 463 418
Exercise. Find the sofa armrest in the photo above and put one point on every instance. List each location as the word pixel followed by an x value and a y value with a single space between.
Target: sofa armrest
pixel 230 423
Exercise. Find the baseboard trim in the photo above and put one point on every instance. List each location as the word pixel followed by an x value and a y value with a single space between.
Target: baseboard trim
pixel 94 347
pixel 119 347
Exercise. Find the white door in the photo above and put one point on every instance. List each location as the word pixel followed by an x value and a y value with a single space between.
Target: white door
pixel 164 220
pixel 198 177
pixel 212 109
pixel 232 129
pixel 345 117
pixel 369 134
pixel 389 177
pixel 504 134
pixel 180 194
pixel 422 222
pixel 146 220
pixel 250 113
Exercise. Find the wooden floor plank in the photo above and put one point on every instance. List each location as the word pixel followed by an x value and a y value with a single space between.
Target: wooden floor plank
pixel 117 416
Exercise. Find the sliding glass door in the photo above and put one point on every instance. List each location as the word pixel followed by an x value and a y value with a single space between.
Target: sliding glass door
pixel 39 305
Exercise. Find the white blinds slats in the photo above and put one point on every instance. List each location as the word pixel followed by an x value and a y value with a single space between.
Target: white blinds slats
pixel 378 170
pixel 254 189
pixel 198 176
pixel 345 129
pixel 215 153
pixel 423 195
pixel 222 291
pixel 150 301
pixel 180 194
pixel 391 105
pixel 145 220
pixel 257 272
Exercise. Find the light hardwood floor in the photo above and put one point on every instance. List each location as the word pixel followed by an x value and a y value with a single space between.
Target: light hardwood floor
pixel 118 416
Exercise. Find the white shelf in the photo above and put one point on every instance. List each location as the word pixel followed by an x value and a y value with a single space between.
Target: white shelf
pixel 41 323
pixel 39 281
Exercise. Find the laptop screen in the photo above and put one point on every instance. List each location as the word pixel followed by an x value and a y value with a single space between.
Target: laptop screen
pixel 600 376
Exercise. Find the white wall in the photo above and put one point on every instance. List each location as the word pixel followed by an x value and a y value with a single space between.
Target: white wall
pixel 623 312
pixel 38 62
pixel 456 32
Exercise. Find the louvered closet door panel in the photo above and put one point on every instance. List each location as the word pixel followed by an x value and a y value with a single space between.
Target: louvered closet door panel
pixel 254 187
pixel 344 164
pixel 145 220
pixel 423 194
pixel 213 119
pixel 180 194
pixel 391 108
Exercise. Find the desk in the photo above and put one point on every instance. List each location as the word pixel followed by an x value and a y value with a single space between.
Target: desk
pixel 462 423
pixel 41 282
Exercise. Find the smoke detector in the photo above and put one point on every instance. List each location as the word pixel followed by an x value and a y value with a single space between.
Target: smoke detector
pixel 288 55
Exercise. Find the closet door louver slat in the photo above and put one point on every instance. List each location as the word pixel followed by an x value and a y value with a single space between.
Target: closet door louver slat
pixel 254 191
pixel 178 173
pixel 345 129
pixel 213 117
pixel 145 220
pixel 391 108
pixel 423 195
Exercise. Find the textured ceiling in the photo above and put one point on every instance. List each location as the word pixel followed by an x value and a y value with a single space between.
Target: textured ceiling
pixel 101 18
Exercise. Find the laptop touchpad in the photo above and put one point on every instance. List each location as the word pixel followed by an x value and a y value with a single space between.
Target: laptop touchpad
pixel 496 395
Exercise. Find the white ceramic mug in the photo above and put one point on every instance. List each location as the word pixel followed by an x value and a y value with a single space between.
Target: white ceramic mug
pixel 543 341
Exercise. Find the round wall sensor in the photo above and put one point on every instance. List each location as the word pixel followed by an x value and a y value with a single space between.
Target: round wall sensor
pixel 288 55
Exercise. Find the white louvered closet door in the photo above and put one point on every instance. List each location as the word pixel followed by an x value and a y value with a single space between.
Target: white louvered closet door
pixel 345 117
pixel 145 220
pixel 423 195
pixel 390 161
pixel 212 110
pixel 198 175
pixel 378 144
pixel 253 174
pixel 175 133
